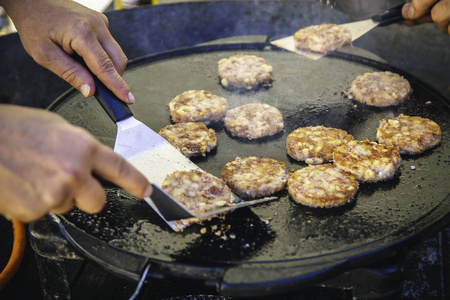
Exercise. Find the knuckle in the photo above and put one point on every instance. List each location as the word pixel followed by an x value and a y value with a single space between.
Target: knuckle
pixel 105 19
pixel 106 66
pixel 82 26
pixel 70 75
pixel 121 167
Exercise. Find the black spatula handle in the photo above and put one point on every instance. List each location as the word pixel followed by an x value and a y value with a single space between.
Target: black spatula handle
pixel 390 16
pixel 114 107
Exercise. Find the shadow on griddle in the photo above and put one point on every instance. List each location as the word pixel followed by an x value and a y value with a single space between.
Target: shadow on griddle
pixel 244 91
pixel 236 237
pixel 120 212
pixel 262 140
pixel 369 188
pixel 322 213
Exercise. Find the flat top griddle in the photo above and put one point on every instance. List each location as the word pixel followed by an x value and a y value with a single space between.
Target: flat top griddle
pixel 299 242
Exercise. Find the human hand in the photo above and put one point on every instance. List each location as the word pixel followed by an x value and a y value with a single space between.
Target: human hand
pixel 418 11
pixel 51 31
pixel 47 165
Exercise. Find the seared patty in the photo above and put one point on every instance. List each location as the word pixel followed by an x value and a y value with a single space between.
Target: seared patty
pixel 322 38
pixel 198 191
pixel 380 89
pixel 315 145
pixel 244 71
pixel 191 138
pixel 322 186
pixel 411 135
pixel 253 121
pixel 252 177
pixel 367 161
pixel 198 106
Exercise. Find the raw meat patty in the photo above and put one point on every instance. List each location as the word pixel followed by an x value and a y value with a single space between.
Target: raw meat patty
pixel 244 72
pixel 380 89
pixel 253 121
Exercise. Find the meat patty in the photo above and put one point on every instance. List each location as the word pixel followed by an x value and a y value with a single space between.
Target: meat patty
pixel 254 121
pixel 322 38
pixel 198 191
pixel 367 161
pixel 252 177
pixel 198 106
pixel 411 135
pixel 380 89
pixel 322 186
pixel 315 145
pixel 244 71
pixel 191 138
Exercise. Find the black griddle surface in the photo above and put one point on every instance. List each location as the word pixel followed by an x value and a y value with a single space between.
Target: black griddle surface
pixel 308 93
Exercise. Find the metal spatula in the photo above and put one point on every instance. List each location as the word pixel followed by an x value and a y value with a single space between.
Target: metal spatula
pixel 154 157
pixel 358 29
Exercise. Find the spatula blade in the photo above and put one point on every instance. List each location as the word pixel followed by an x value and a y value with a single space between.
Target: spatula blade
pixel 147 151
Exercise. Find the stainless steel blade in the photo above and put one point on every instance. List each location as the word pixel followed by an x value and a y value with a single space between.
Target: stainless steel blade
pixel 173 211
pixel 151 154
pixel 358 29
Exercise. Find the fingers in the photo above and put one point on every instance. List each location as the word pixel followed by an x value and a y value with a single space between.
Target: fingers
pixel 17 200
pixel 63 65
pixel 417 8
pixel 105 59
pixel 440 14
pixel 115 169
pixel 90 197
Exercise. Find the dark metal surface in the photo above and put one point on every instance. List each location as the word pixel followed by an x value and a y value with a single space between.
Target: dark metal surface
pixel 279 244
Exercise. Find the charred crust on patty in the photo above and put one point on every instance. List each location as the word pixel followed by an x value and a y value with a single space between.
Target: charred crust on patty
pixel 190 138
pixel 198 106
pixel 367 161
pixel 315 144
pixel 410 134
pixel 198 191
pixel 254 176
pixel 322 186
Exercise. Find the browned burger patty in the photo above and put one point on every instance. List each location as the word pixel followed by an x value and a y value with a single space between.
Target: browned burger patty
pixel 367 161
pixel 411 135
pixel 198 191
pixel 244 72
pixel 322 186
pixel 191 138
pixel 253 121
pixel 315 145
pixel 322 38
pixel 380 89
pixel 252 177
pixel 197 106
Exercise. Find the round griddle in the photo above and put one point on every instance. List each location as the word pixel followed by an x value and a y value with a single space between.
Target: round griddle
pixel 280 244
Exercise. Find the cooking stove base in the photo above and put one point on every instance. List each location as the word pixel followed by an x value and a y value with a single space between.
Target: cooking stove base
pixel 60 267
